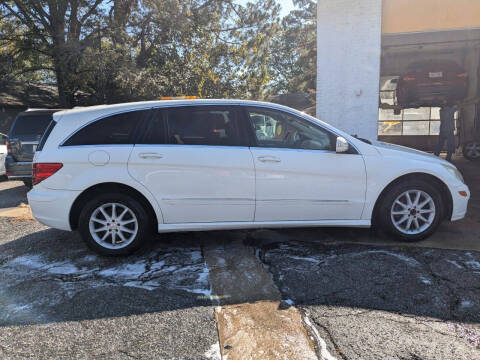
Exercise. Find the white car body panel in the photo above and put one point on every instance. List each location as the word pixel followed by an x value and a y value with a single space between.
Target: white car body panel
pixel 305 185
pixel 196 183
pixel 194 187
pixel 260 225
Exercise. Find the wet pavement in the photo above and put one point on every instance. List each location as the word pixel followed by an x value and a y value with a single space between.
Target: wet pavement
pixel 284 293
pixel 381 302
pixel 59 300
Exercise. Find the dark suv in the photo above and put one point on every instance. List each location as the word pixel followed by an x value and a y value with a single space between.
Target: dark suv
pixel 23 138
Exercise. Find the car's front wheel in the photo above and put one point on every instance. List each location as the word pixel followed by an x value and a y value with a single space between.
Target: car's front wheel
pixel 114 224
pixel 411 211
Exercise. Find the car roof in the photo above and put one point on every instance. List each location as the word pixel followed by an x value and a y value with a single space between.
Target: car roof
pixel 103 110
pixel 72 119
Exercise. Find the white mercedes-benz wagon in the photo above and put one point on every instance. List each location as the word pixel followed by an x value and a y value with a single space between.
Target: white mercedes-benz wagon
pixel 118 172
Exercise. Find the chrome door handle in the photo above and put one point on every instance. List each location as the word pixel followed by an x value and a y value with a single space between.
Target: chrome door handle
pixel 268 159
pixel 150 156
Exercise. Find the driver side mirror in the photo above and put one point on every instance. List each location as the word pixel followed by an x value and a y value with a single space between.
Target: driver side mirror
pixel 342 145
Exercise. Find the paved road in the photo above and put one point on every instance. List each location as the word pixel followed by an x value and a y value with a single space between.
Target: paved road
pixel 365 296
pixel 374 302
pixel 58 300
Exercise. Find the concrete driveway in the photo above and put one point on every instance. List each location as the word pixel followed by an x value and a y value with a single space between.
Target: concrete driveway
pixel 292 293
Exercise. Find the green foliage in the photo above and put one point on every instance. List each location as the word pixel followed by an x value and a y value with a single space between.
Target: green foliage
pixel 294 60
pixel 107 51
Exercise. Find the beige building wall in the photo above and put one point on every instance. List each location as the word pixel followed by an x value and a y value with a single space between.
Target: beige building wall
pixel 404 16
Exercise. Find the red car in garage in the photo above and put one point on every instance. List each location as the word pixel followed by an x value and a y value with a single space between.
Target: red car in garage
pixel 429 83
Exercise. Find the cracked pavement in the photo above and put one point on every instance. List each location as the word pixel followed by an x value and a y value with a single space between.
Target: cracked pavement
pixel 381 303
pixel 360 295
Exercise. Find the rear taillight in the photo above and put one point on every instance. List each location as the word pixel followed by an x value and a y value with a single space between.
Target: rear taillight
pixel 409 78
pixel 9 148
pixel 462 75
pixel 41 171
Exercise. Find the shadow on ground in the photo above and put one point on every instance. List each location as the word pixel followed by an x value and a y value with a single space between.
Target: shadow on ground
pixel 12 193
pixel 54 278
pixel 50 276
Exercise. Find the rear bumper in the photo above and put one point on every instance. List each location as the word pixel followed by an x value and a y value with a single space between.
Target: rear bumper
pixel 430 94
pixel 460 203
pixel 18 169
pixel 52 207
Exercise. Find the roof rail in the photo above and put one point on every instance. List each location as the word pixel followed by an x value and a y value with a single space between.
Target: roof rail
pixel 42 109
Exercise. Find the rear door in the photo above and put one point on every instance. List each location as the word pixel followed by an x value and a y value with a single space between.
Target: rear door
pixel 99 151
pixel 194 162
pixel 25 134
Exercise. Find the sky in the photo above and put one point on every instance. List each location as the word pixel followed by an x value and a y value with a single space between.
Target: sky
pixel 287 5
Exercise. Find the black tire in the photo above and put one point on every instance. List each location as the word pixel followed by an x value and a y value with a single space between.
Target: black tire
pixel 471 150
pixel 384 211
pixel 143 220
pixel 28 183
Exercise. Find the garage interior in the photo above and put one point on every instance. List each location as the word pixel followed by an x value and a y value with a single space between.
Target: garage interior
pixel 426 31
pixel 419 127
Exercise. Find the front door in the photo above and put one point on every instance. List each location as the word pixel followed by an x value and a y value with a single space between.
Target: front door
pixel 299 176
pixel 192 159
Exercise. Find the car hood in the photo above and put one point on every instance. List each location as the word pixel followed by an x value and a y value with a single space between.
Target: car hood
pixel 392 149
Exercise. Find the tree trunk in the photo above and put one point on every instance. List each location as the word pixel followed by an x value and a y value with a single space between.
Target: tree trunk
pixel 61 57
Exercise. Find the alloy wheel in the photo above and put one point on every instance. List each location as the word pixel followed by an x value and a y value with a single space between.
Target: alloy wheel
pixel 413 212
pixel 113 225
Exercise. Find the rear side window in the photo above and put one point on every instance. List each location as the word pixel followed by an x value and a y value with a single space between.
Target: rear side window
pixel 30 125
pixel 208 125
pixel 46 134
pixel 154 130
pixel 113 130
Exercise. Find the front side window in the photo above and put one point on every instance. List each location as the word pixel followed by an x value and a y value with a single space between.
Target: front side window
pixel 207 125
pixel 113 130
pixel 277 129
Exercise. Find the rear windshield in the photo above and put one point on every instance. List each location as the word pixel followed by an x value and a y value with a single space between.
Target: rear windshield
pixel 30 125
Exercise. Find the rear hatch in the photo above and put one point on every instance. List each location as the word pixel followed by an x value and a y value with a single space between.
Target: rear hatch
pixel 438 74
pixel 25 134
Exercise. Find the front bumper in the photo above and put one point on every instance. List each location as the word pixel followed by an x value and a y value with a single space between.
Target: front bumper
pixel 460 202
pixel 18 169
pixel 52 207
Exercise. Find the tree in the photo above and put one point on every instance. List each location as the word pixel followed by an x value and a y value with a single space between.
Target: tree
pixel 194 47
pixel 121 50
pixel 60 30
pixel 294 59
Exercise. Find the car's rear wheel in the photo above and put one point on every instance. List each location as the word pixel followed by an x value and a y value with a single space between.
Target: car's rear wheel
pixel 411 211
pixel 114 224
pixel 471 150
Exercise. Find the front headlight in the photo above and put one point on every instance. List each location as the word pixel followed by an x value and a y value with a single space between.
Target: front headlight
pixel 454 171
